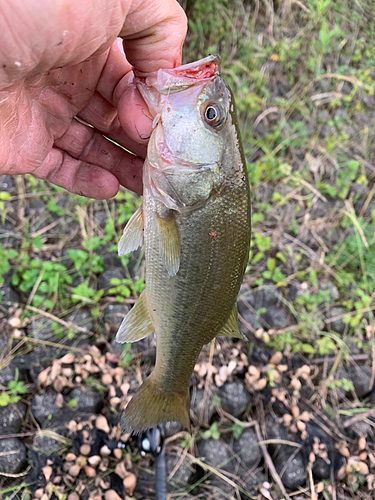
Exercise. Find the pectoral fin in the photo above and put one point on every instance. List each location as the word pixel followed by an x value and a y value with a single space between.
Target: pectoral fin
pixel 230 329
pixel 132 237
pixel 169 243
pixel 137 323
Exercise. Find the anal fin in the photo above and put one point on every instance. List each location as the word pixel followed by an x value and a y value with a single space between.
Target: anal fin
pixel 230 328
pixel 137 323
pixel 170 247
pixel 132 237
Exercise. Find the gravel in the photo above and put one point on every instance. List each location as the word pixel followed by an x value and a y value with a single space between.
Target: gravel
pixel 247 448
pixel 88 399
pixel 104 280
pixel 214 453
pixel 12 456
pixel 183 472
pixel 234 398
pixel 11 418
pixel 46 413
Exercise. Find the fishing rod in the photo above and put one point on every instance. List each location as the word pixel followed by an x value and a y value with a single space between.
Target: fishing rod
pixel 152 441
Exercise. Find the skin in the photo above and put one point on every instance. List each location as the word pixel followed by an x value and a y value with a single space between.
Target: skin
pixel 63 59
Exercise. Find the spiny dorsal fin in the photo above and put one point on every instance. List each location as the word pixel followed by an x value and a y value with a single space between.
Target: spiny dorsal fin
pixel 169 243
pixel 132 237
pixel 230 329
pixel 137 323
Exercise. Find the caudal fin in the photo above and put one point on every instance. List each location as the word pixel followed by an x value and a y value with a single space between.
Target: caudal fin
pixel 150 407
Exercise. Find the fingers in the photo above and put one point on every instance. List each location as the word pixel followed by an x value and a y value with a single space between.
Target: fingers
pixel 83 146
pixel 36 37
pixel 116 87
pixel 153 33
pixel 104 117
pixel 41 35
pixel 77 176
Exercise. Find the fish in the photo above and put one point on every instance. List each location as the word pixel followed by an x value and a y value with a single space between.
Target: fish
pixel 194 223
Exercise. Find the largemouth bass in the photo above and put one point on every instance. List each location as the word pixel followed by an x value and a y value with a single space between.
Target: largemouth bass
pixel 195 222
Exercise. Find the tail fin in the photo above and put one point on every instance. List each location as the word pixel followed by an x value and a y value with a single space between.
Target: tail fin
pixel 149 407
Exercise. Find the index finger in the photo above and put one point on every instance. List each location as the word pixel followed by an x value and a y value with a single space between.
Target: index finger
pixel 153 34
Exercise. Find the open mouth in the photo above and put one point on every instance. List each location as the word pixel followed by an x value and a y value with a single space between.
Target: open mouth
pixel 199 70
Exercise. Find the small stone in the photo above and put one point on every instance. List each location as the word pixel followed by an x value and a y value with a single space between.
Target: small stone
pixel 14 322
pixel 201 406
pixel 337 325
pixel 12 456
pixel 82 318
pixel 94 460
pixel 89 399
pixel 73 496
pixel 294 470
pixel 247 448
pixel 107 379
pixel 182 475
pixel 44 443
pixel 234 398
pixel 253 481
pixel 362 443
pixel 111 495
pixel 362 468
pixel 41 329
pixel 276 318
pixel 114 315
pixel 295 473
pixel 89 471
pixel 287 419
pixel 120 470
pixel 102 424
pixel 11 418
pixel 171 428
pixel 101 218
pixel 216 454
pixel 85 449
pixel 328 286
pixel 68 359
pixel 46 412
pixel 105 451
pixel 70 457
pixel 47 472
pixel 104 280
pixel 8 296
pixel 129 483
pixel 74 470
pixel 301 426
pixel 276 358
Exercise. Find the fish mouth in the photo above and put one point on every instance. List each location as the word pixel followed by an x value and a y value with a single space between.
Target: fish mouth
pixel 169 81
pixel 202 69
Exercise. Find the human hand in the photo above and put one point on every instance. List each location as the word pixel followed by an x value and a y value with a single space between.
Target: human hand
pixel 62 59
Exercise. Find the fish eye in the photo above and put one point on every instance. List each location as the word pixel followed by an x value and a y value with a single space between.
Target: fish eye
pixel 213 115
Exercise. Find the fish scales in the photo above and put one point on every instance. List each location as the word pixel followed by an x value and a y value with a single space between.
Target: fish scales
pixel 196 222
pixel 192 306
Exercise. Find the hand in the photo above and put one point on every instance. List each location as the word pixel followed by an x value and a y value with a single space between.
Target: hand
pixel 62 59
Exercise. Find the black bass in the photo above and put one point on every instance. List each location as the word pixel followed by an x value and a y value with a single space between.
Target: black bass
pixel 195 223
